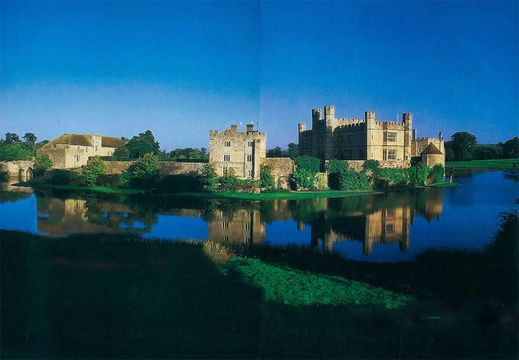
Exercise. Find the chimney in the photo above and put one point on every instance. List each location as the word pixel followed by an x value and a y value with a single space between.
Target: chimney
pixel 250 128
pixel 234 127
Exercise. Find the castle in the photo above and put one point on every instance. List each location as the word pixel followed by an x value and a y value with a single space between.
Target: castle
pixel 239 151
pixel 71 151
pixel 393 143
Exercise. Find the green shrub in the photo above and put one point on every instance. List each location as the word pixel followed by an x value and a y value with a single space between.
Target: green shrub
pixel 16 151
pixel 209 178
pixel 267 182
pixel 180 183
pixel 42 163
pixel 437 174
pixel 92 170
pixel 109 180
pixel 352 180
pixel 247 186
pixel 372 166
pixel 64 177
pixel 121 153
pixel 302 179
pixel 388 177
pixel 334 168
pixel 145 172
pixel 320 181
pixel 308 163
pixel 418 174
pixel 228 182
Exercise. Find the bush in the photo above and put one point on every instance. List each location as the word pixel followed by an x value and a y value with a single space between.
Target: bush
pixel 320 181
pixel 308 163
pixel 334 168
pixel 111 180
pixel 42 163
pixel 418 174
pixel 121 153
pixel 247 186
pixel 209 178
pixel 266 179
pixel 388 177
pixel 371 166
pixel 92 170
pixel 228 182
pixel 180 183
pixel 352 180
pixel 302 179
pixel 437 174
pixel 64 177
pixel 144 172
pixel 16 151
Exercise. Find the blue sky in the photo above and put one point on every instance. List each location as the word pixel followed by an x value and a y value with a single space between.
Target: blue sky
pixel 180 69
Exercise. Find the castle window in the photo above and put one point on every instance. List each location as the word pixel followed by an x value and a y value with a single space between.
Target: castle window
pixel 227 158
pixel 225 224
pixel 249 157
pixel 250 173
pixel 227 144
pixel 389 154
pixel 249 144
pixel 390 136
pixel 389 228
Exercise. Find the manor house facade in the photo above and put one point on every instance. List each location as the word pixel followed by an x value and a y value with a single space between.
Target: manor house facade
pixel 393 143
pixel 71 151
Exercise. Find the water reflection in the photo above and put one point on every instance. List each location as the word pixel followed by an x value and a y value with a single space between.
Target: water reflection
pixel 364 227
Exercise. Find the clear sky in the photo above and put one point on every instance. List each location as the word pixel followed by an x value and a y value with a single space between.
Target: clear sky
pixel 180 69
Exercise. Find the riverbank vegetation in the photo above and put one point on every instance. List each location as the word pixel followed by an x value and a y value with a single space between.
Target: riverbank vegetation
pixel 107 295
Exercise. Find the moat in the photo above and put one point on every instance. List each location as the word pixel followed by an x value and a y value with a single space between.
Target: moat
pixel 389 227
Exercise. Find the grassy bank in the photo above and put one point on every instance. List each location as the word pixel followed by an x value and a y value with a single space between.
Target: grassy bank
pixel 496 164
pixel 282 195
pixel 100 189
pixel 107 296
pixel 443 185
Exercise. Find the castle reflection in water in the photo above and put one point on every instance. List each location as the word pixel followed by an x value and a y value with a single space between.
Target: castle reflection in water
pixel 374 219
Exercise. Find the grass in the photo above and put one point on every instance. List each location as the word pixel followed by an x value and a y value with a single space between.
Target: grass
pixel 290 286
pixel 443 185
pixel 117 296
pixel 495 164
pixel 100 189
pixel 282 195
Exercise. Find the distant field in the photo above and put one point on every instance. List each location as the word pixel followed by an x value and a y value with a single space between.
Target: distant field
pixel 500 164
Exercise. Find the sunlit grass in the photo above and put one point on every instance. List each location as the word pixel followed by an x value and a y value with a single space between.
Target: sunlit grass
pixel 498 164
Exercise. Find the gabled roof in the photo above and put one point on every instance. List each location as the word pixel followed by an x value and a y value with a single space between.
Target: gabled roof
pixel 431 149
pixel 73 139
pixel 113 142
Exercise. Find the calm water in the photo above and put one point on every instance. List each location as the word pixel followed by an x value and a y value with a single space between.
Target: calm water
pixel 383 228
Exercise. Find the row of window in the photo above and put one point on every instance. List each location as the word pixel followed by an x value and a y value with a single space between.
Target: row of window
pixel 228 157
pixel 228 143
pixel 389 154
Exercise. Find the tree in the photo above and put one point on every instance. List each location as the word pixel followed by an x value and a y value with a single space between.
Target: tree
pixel 371 166
pixel 335 168
pixel 144 172
pixel 209 178
pixel 309 163
pixel 352 180
pixel 94 168
pixel 437 174
pixel 510 149
pixel 485 152
pixel 10 151
pixel 42 163
pixel 122 153
pixel 418 174
pixel 229 181
pixel 293 150
pixel 302 179
pixel 11 137
pixel 266 179
pixel 275 152
pixel 463 144
pixel 30 138
pixel 142 144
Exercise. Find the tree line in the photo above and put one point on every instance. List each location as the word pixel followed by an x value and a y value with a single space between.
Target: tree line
pixel 463 146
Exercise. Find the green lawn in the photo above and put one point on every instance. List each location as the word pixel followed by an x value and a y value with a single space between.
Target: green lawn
pixel 499 164
pixel 101 189
pixel 282 195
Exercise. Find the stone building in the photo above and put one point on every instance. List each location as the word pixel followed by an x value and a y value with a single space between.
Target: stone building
pixel 71 151
pixel 241 151
pixel 393 143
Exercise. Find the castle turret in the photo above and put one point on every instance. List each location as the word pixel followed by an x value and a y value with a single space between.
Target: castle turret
pixel 329 112
pixel 316 116
pixel 301 127
pixel 369 117
pixel 407 119
pixel 250 128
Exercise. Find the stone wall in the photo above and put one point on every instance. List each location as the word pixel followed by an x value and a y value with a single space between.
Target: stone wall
pixel 167 167
pixel 281 169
